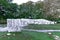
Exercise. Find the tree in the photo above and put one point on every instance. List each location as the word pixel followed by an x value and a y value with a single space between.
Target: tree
pixel 12 11
pixel 31 10
pixel 51 9
pixel 8 10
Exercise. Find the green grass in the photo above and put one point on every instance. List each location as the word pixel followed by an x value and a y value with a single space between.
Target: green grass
pixel 18 36
pixel 43 27
pixel 39 36
pixel 25 36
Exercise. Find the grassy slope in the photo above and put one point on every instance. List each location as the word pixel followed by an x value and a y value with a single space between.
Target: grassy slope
pixel 42 27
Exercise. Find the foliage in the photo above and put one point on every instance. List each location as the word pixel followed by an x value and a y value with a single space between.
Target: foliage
pixel 32 10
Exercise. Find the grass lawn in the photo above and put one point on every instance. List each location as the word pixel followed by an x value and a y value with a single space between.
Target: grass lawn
pixel 24 35
pixel 43 27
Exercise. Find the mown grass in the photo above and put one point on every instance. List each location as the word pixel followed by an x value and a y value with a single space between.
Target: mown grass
pixel 43 26
pixel 18 36
pixel 25 36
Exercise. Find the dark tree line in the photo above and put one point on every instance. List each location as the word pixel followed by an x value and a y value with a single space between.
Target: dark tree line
pixel 31 10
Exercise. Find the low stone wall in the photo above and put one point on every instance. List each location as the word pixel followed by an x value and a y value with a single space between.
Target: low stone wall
pixel 17 24
pixel 23 22
pixel 37 21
